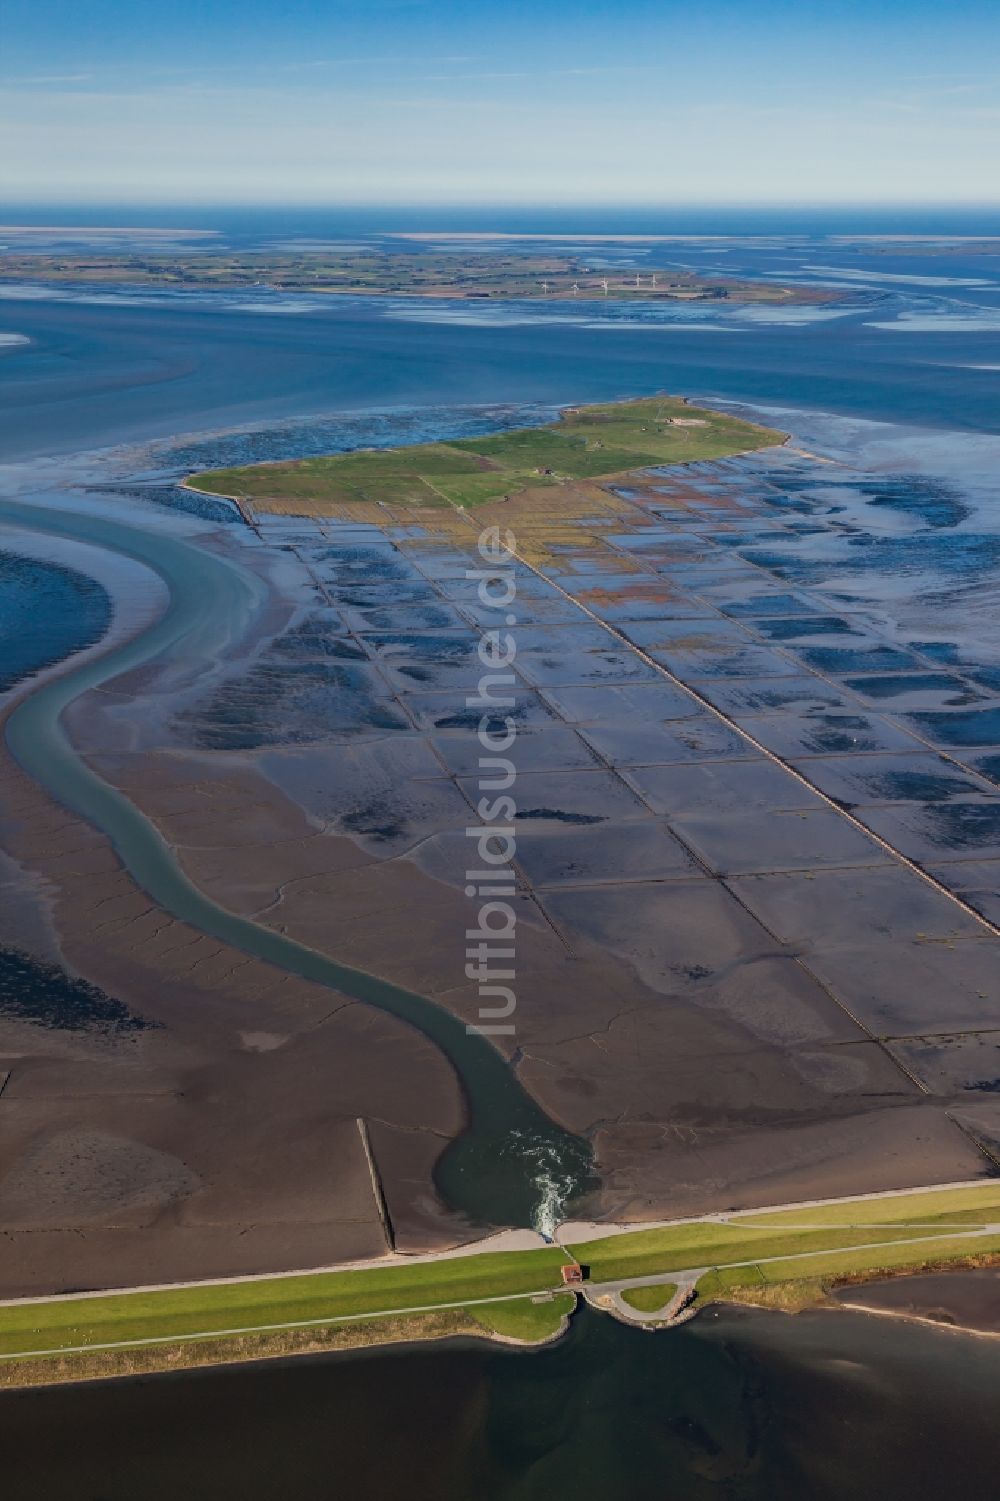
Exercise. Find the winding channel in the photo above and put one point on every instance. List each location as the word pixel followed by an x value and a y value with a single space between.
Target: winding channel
pixel 511 1165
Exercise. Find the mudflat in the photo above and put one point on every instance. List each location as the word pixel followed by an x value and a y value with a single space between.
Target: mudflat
pixel 966 1299
pixel 718 959
pixel 713 961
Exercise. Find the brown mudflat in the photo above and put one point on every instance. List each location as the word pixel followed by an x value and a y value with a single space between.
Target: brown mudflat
pixel 740 995
pixel 962 1299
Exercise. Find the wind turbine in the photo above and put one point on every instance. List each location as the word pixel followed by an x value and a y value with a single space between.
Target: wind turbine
pixel 545 288
pixel 604 284
pixel 576 289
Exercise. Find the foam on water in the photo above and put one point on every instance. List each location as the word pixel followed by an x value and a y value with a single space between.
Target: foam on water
pixel 555 1182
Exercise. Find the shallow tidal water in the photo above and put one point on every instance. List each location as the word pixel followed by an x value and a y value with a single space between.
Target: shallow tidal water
pixel 511 1158
pixel 741 1405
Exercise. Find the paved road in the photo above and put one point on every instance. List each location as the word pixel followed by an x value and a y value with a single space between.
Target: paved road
pixel 575 1231
pixel 607 1295
pixel 602 1295
pixel 322 1323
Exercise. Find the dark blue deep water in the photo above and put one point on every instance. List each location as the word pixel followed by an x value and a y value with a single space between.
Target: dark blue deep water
pixel 735 1407
pixel 46 612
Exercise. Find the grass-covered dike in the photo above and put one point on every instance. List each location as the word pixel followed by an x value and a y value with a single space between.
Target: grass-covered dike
pixel 781 1258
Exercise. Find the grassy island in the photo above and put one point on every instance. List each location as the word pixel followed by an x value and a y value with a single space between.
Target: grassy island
pixel 590 443
pixel 386 269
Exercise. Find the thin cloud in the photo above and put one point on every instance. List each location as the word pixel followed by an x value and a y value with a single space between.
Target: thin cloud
pixel 43 80
pixel 472 77
pixel 375 62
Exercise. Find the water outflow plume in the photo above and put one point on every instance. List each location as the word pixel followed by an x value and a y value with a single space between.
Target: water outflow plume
pixel 555 1183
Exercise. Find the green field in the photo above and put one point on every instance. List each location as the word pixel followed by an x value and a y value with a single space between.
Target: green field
pixel 586 443
pixel 642 1253
pixel 648 1252
pixel 649 1299
pixel 542 275
pixel 524 1319
pixel 840 1263
pixel 273 1301
pixel 813 1273
pixel 750 1254
pixel 952 1206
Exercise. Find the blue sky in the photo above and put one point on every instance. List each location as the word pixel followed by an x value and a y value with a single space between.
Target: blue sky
pixel 437 101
